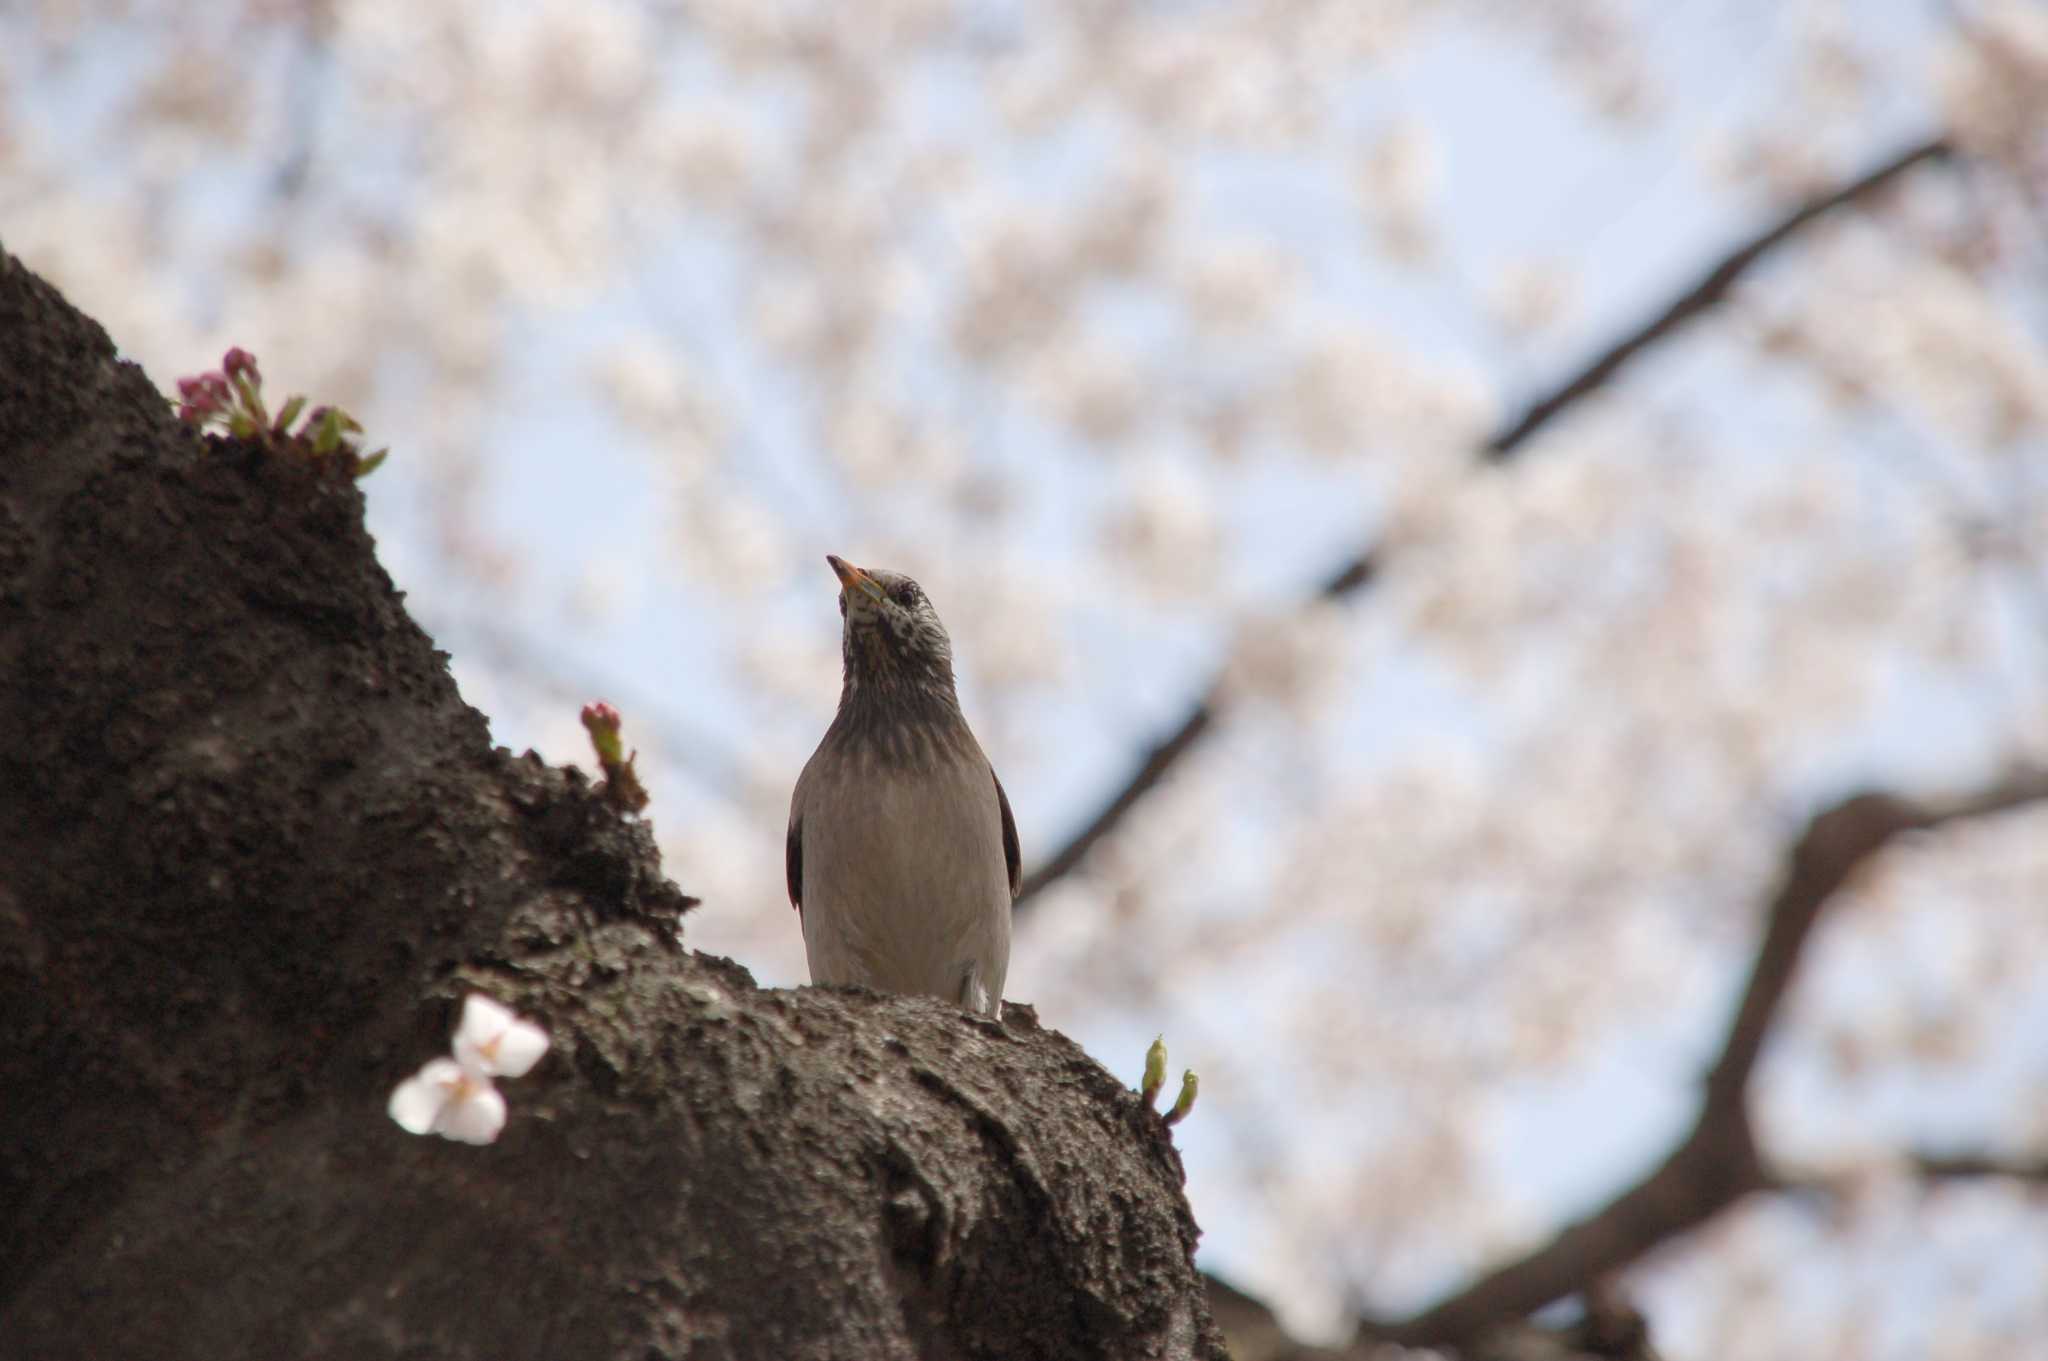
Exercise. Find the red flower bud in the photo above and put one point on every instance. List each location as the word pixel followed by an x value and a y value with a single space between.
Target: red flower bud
pixel 202 396
pixel 238 362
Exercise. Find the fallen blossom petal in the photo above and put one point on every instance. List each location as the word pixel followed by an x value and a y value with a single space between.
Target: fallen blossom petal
pixel 494 1042
pixel 477 1118
pixel 520 1048
pixel 416 1103
pixel 447 1099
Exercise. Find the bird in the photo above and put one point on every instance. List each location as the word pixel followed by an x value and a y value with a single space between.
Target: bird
pixel 902 853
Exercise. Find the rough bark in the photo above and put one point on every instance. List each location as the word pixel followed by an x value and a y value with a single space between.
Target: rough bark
pixel 254 848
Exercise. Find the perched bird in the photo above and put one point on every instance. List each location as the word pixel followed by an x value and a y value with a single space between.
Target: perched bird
pixel 902 852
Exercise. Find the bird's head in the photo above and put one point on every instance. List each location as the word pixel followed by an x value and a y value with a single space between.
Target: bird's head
pixel 892 640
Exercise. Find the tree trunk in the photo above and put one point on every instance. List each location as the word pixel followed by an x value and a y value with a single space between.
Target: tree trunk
pixel 254 849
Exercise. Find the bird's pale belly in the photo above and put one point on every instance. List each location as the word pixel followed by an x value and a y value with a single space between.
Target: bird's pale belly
pixel 906 890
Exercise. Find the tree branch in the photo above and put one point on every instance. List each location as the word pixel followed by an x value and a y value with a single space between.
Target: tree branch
pixel 1150 771
pixel 1717 1162
pixel 1608 1328
pixel 1363 567
pixel 1161 758
pixel 1705 294
pixel 255 850
pixel 1828 1183
pixel 1980 1167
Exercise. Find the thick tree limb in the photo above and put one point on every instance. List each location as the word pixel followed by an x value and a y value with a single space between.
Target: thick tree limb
pixel 1717 1163
pixel 1360 570
pixel 254 848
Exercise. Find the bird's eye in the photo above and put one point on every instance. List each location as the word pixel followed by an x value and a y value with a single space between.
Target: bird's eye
pixel 905 595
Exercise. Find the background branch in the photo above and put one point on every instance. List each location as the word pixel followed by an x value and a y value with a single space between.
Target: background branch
pixel 1827 1182
pixel 1705 294
pixel 1980 1166
pixel 1717 1162
pixel 1708 292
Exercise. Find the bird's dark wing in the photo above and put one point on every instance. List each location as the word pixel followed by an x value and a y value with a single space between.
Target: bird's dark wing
pixel 1011 855
pixel 793 862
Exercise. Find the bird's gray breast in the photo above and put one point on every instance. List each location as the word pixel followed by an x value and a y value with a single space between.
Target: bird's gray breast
pixel 904 882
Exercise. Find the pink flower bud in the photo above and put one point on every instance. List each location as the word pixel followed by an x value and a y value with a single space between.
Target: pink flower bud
pixel 203 395
pixel 238 362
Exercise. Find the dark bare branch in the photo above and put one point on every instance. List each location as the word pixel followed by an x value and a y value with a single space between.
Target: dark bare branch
pixel 1717 1163
pixel 1161 758
pixel 1829 1183
pixel 1712 1168
pixel 1363 567
pixel 1149 772
pixel 1607 1328
pixel 1834 846
pixel 1981 1167
pixel 1706 294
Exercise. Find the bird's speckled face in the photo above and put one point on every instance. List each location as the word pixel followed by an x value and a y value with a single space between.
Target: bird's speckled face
pixel 892 634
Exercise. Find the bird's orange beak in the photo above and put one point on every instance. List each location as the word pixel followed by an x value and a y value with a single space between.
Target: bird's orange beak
pixel 853 579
